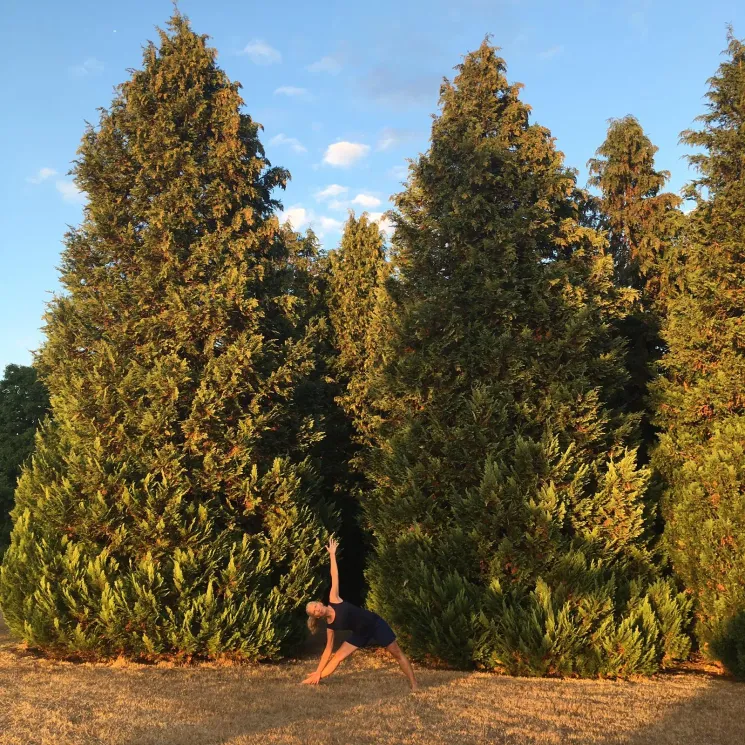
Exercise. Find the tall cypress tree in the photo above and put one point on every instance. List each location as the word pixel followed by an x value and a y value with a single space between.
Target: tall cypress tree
pixel 23 403
pixel 643 225
pixel 508 513
pixel 700 401
pixel 642 220
pixel 357 308
pixel 317 400
pixel 169 509
pixel 357 305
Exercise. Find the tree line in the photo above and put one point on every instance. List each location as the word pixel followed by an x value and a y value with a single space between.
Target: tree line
pixel 524 414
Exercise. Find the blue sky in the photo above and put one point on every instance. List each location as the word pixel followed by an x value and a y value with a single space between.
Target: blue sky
pixel 344 90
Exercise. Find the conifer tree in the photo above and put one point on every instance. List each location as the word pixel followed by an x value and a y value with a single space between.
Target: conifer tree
pixel 317 400
pixel 169 508
pixel 700 399
pixel 508 513
pixel 642 220
pixel 357 305
pixel 23 403
pixel 642 224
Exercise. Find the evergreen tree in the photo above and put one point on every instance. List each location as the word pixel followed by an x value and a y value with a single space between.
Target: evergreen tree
pixel 357 303
pixel 643 225
pixel 357 308
pixel 642 222
pixel 170 507
pixel 317 399
pixel 700 400
pixel 23 402
pixel 508 513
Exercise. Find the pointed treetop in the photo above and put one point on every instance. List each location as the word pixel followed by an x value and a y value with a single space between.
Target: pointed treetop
pixel 723 125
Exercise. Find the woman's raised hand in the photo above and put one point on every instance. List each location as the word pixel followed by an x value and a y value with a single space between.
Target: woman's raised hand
pixel 333 544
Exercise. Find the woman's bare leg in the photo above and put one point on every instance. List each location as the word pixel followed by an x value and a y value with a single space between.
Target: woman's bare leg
pixel 341 654
pixel 402 660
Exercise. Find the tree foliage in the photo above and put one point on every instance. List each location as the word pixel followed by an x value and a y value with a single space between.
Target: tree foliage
pixel 171 507
pixel 700 400
pixel 23 403
pixel 508 511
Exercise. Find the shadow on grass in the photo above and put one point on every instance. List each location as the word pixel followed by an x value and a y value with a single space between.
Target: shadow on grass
pixel 366 702
pixel 713 713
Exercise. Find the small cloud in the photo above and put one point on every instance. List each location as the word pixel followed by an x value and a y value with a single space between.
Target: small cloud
pixel 391 137
pixel 42 175
pixel 329 225
pixel 297 216
pixel 332 190
pixel 326 64
pixel 383 222
pixel 336 204
pixel 345 154
pixel 262 53
pixel 552 52
pixel 316 126
pixel 399 172
pixel 366 200
pixel 292 92
pixel 386 86
pixel 70 192
pixel 91 66
pixel 294 143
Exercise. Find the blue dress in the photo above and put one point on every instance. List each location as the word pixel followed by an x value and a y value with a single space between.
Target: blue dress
pixel 367 628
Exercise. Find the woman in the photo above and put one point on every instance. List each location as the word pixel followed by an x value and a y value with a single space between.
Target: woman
pixel 367 629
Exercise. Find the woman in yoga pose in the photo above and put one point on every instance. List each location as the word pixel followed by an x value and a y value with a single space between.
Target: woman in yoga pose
pixel 368 629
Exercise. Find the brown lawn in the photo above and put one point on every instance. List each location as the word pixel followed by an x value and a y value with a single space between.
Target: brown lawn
pixel 366 701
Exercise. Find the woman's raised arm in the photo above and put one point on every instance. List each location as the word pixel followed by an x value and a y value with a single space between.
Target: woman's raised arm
pixel 334 594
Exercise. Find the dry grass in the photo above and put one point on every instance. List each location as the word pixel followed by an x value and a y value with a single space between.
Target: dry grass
pixel 366 701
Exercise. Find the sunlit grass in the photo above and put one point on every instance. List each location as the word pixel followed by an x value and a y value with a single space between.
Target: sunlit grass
pixel 367 701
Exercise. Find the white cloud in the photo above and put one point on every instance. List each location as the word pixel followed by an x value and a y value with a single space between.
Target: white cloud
pixel 294 143
pixel 344 154
pixel 388 85
pixel 326 64
pixel 386 226
pixel 383 222
pixel 390 137
pixel 297 216
pixel 261 53
pixel 91 66
pixel 329 225
pixel 386 142
pixel 336 204
pixel 332 190
pixel 42 175
pixel 552 52
pixel 366 200
pixel 70 192
pixel 399 172
pixel 292 91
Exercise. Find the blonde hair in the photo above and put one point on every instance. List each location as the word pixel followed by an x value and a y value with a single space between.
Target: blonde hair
pixel 313 622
